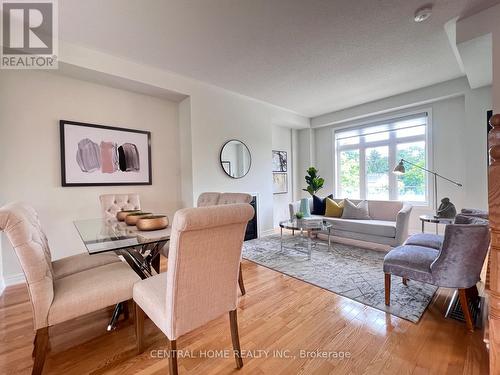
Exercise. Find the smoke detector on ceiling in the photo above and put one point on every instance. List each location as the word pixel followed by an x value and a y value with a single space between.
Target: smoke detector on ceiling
pixel 423 14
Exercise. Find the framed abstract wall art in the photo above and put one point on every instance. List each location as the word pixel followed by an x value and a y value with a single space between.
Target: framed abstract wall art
pixel 280 162
pixel 280 183
pixel 97 155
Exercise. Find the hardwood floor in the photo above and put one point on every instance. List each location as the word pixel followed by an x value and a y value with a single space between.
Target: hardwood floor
pixel 278 314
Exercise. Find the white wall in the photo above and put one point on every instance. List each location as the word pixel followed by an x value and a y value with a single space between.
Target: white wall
pixel 31 105
pixel 305 151
pixel 458 139
pixel 208 117
pixel 217 115
pixel 282 141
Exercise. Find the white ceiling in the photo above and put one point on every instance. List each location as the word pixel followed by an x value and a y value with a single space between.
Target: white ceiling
pixel 310 56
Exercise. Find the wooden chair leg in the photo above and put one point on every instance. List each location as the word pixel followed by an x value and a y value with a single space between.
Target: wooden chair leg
pixel 139 328
pixel 405 281
pixel 126 310
pixel 233 319
pixel 472 293
pixel 387 289
pixel 464 303
pixel 40 350
pixel 240 282
pixel 172 357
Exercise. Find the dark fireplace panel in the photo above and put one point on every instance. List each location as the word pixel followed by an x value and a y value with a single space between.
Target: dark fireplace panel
pixel 251 232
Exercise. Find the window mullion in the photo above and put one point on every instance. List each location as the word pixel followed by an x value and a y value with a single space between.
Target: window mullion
pixel 393 188
pixel 362 168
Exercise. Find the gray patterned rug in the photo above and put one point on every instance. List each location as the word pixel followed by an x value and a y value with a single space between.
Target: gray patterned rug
pixel 352 272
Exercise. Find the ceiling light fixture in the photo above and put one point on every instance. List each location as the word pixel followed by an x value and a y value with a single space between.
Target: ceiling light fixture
pixel 423 14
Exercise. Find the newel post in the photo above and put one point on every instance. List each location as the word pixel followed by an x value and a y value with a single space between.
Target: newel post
pixel 494 260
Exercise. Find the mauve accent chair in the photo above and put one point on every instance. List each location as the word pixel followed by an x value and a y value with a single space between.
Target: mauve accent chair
pixel 457 264
pixel 200 284
pixel 213 199
pixel 111 204
pixel 64 289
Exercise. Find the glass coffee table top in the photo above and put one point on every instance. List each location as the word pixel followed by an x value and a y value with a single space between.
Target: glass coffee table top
pixel 306 224
pixel 101 235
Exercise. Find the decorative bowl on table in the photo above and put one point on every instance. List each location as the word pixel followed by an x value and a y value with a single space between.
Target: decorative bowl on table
pixel 121 215
pixel 152 222
pixel 131 219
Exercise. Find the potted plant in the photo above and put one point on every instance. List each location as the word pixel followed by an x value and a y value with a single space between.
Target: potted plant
pixel 314 184
pixel 299 217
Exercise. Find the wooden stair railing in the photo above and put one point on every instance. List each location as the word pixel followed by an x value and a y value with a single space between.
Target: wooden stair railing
pixel 494 256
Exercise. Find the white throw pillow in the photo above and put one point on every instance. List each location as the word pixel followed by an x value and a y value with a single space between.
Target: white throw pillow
pixel 353 211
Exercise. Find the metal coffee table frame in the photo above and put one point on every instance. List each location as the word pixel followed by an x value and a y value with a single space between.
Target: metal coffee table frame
pixel 310 231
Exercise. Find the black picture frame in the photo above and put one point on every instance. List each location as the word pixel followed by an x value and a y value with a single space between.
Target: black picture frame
pixel 280 161
pixel 276 183
pixel 62 134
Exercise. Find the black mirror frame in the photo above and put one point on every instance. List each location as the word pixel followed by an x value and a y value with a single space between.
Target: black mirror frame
pixel 220 158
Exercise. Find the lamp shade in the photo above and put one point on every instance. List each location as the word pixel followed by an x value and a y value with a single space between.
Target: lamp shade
pixel 400 168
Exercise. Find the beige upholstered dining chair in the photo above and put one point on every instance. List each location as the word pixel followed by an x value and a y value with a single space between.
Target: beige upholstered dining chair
pixel 213 199
pixel 64 289
pixel 201 280
pixel 111 204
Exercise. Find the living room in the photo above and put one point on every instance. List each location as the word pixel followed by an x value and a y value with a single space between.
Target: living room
pixel 390 103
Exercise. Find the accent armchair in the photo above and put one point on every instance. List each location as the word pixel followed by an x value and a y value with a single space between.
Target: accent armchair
pixel 201 281
pixel 64 289
pixel 213 199
pixel 456 264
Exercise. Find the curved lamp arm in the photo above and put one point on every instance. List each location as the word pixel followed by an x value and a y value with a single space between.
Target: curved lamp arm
pixel 400 170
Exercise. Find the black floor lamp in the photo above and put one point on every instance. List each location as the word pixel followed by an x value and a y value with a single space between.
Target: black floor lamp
pixel 400 169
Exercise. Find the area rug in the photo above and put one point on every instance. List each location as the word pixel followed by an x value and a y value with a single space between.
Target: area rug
pixel 350 271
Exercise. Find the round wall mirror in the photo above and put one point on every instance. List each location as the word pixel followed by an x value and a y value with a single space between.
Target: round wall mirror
pixel 235 158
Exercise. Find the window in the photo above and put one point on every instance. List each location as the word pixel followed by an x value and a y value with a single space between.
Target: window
pixel 366 156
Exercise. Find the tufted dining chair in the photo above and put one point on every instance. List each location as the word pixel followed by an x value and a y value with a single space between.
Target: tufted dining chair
pixel 208 199
pixel 200 284
pixel 213 199
pixel 111 204
pixel 60 290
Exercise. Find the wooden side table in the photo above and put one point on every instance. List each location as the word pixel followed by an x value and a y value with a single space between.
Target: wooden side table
pixel 437 220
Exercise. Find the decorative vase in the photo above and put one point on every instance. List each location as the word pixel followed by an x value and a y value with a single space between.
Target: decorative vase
pixel 304 207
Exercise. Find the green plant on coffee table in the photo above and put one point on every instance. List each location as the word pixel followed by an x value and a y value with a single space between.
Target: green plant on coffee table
pixel 299 215
pixel 314 182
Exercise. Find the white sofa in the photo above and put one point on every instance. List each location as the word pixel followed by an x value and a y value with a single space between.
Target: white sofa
pixel 388 224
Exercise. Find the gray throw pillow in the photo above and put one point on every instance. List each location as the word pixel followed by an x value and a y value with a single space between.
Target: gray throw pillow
pixel 353 211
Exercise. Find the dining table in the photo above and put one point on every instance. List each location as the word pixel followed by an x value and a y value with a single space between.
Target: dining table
pixel 140 249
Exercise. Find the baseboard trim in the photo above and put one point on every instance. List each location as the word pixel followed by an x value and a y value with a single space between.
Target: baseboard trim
pixel 13 279
pixel 2 285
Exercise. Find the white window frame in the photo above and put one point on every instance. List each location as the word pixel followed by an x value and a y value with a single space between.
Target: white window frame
pixel 392 143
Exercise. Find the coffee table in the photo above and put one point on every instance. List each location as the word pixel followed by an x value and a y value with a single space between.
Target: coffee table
pixel 308 227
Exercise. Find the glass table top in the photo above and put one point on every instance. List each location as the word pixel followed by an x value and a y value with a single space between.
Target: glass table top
pixel 434 219
pixel 101 235
pixel 306 224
